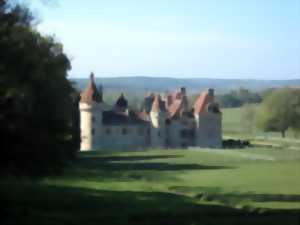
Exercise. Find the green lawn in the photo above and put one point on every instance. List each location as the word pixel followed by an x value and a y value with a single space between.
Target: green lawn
pixel 256 185
pixel 232 121
pixel 259 185
pixel 235 125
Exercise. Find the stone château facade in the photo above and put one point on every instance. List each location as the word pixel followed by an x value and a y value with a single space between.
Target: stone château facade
pixel 164 121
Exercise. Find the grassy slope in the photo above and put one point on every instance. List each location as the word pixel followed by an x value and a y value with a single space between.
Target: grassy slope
pixel 165 186
pixel 259 185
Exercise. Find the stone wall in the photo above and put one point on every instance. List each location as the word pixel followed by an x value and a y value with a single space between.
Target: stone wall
pixel 209 130
pixel 85 127
pixel 90 125
pixel 158 129
pixel 130 137
pixel 181 133
pixel 203 131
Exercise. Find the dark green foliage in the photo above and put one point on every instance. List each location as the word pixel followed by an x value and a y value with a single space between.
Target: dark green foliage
pixel 237 98
pixel 229 101
pixel 36 104
pixel 280 111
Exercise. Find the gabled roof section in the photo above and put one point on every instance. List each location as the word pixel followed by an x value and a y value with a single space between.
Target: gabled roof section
pixel 175 108
pixel 158 105
pixel 177 103
pixel 202 101
pixel 91 93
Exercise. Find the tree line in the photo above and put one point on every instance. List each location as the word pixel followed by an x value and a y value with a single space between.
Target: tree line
pixel 238 98
pixel 38 105
pixel 278 112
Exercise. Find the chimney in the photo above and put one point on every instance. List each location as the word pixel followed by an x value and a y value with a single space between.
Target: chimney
pixel 169 100
pixel 92 77
pixel 183 91
pixel 100 88
pixel 211 92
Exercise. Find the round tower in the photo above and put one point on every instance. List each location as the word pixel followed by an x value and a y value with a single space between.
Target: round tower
pixel 90 116
pixel 158 127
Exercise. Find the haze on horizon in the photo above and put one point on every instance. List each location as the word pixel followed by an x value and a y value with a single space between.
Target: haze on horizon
pixel 249 39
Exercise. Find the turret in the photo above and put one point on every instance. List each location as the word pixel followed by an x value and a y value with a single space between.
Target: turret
pixel 208 121
pixel 158 118
pixel 90 107
pixel 121 104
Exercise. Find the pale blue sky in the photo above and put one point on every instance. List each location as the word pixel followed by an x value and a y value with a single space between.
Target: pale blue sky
pixel 178 38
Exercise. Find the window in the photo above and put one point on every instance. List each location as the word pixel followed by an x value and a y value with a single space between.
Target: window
pixel 158 133
pixel 140 130
pixel 187 133
pixel 182 133
pixel 124 131
pixel 93 131
pixel 107 130
pixel 93 119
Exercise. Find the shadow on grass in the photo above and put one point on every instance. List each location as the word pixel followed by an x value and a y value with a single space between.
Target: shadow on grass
pixel 123 163
pixel 252 197
pixel 34 204
pixel 125 168
pixel 215 194
pixel 126 158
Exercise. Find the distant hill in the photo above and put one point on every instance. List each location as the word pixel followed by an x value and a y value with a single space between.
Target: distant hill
pixel 193 85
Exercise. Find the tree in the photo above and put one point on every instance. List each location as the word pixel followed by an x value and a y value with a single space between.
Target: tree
pixel 248 117
pixel 229 100
pixel 280 110
pixel 37 102
pixel 239 97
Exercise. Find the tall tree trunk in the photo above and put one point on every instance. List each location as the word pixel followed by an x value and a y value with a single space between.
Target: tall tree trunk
pixel 283 133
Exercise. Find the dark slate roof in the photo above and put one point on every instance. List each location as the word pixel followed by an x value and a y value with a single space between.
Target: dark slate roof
pixel 122 102
pixel 147 105
pixel 123 118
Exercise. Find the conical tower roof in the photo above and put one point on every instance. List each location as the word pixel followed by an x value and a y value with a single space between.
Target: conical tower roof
pixel 91 93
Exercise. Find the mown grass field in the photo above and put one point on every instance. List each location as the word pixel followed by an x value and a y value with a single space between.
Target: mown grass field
pixel 235 125
pixel 256 185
